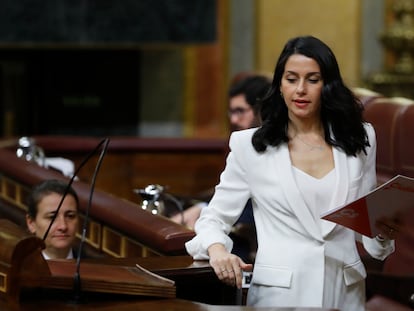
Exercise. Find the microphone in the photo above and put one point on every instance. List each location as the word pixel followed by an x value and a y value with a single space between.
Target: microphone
pixel 77 281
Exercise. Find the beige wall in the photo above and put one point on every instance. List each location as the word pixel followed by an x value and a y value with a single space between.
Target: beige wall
pixel 336 22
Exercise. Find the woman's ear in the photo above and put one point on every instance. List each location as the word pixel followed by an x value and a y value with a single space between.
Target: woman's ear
pixel 30 224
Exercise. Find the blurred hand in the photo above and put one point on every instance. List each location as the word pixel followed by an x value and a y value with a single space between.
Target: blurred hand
pixel 188 217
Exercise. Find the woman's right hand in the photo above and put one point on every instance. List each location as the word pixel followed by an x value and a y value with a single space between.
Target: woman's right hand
pixel 227 266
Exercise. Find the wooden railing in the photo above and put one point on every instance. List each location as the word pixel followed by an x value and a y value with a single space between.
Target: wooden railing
pixel 117 227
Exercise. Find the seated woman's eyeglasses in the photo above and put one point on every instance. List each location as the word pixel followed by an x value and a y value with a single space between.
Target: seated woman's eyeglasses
pixel 238 111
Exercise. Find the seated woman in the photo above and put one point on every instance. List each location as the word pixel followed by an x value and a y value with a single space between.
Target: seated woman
pixel 43 203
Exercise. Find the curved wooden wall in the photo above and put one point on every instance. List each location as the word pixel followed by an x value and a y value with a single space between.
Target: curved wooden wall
pixel 187 167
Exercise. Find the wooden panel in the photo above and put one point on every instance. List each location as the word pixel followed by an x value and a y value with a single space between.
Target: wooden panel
pixel 344 41
pixel 186 166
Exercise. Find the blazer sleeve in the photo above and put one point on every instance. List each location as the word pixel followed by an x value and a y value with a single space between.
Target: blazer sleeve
pixel 227 203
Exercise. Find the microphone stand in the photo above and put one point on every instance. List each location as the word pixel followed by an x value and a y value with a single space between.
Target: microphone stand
pixel 177 203
pixel 77 291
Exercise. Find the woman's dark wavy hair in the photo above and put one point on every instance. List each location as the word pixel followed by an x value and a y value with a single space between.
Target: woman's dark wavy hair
pixel 341 111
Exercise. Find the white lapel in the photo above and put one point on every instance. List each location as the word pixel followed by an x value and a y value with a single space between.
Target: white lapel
pixel 341 187
pixel 293 196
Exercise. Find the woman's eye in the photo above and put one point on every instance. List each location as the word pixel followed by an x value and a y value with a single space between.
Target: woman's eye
pixel 313 80
pixel 291 80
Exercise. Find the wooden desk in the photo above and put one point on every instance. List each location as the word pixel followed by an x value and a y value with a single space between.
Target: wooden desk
pixel 29 282
pixel 197 289
pixel 193 280
pixel 136 305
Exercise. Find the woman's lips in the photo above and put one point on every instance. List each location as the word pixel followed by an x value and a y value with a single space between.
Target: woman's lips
pixel 62 236
pixel 301 102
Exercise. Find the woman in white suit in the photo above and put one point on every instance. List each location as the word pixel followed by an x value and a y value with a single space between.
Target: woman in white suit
pixel 312 153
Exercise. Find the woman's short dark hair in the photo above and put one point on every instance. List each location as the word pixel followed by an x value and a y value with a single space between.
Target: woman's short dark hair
pixel 45 188
pixel 341 111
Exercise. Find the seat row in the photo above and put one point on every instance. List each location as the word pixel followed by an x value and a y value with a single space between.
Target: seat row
pixel 390 286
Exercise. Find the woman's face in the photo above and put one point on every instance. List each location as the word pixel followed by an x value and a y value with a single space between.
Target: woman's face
pixel 63 231
pixel 301 87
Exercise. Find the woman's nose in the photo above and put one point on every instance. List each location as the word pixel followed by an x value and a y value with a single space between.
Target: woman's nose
pixel 301 87
pixel 61 222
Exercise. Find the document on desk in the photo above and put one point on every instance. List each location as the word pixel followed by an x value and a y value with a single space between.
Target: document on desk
pixel 393 198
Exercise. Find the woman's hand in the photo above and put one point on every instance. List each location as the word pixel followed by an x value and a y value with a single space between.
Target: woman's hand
pixel 228 267
pixel 389 227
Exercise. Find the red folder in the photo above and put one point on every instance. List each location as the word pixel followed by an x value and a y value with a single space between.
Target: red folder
pixel 391 199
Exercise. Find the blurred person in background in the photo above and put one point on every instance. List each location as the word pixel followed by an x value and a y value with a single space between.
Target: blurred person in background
pixel 244 97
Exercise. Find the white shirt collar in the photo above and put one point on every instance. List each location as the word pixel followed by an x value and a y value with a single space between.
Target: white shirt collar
pixel 69 256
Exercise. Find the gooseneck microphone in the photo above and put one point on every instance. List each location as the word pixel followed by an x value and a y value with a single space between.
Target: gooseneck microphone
pixel 77 280
pixel 77 290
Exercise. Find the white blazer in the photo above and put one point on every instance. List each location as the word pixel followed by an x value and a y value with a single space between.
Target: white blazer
pixel 293 248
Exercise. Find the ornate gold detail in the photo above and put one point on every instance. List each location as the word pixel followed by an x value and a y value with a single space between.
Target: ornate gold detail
pixel 398 39
pixel 3 282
